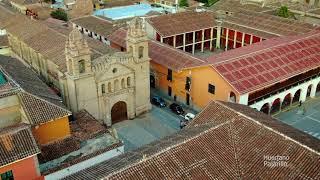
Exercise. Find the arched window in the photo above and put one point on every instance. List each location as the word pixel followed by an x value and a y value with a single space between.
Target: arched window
pixel 116 85
pixel 130 49
pixel 82 68
pixel 141 51
pixel 128 81
pixel 232 97
pixel 122 84
pixel 109 87
pixel 103 88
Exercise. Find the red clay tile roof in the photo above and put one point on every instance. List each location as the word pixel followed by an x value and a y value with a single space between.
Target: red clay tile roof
pixel 160 53
pixel 168 25
pixel 95 24
pixel 262 64
pixel 16 143
pixel 232 146
pixel 265 25
pixel 4 41
pixel 39 102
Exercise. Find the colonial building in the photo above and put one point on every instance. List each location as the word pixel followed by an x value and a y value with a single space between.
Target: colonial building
pixel 227 76
pixel 209 31
pixel 225 141
pixel 67 61
pixel 114 86
pixel 30 114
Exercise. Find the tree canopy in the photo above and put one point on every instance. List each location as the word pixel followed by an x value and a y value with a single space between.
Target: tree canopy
pixel 283 11
pixel 59 14
pixel 183 3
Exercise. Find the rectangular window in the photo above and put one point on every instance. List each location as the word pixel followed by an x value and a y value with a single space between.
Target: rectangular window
pixel 211 89
pixel 7 175
pixel 188 83
pixel 169 76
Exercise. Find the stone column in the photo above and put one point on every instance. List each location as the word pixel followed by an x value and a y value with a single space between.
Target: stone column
pixel 227 39
pixel 242 40
pixel 211 38
pixel 235 39
pixel 174 41
pixel 193 42
pixel 184 41
pixel 218 39
pixel 313 90
pixel 303 94
pixel 202 43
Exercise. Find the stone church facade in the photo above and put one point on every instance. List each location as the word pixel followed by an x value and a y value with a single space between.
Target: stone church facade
pixel 112 87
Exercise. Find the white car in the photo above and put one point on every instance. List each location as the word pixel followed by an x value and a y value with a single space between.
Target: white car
pixel 189 116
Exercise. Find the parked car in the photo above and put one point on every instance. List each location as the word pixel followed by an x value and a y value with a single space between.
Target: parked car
pixel 189 116
pixel 176 108
pixel 158 101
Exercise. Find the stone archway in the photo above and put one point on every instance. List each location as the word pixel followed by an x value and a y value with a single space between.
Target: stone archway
pixel 119 112
pixel 276 106
pixel 318 89
pixel 265 108
pixel 309 90
pixel 286 101
pixel 296 97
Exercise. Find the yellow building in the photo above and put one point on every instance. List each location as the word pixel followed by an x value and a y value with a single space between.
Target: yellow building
pixel 182 76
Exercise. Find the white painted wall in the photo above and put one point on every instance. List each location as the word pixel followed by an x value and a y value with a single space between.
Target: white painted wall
pixel 303 86
pixel 85 164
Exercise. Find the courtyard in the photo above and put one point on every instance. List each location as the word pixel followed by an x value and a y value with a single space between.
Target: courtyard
pixel 148 127
pixel 305 117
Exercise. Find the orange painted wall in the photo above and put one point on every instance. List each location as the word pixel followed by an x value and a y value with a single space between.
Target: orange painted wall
pixel 201 77
pixel 53 130
pixel 24 169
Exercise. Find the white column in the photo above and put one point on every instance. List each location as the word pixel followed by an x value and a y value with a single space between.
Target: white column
pixel 161 39
pixel 251 38
pixel 303 94
pixel 184 41
pixel 242 40
pixel 244 98
pixel 313 90
pixel 235 39
pixel 227 37
pixel 211 38
pixel 174 41
pixel 218 39
pixel 260 39
pixel 194 41
pixel 202 43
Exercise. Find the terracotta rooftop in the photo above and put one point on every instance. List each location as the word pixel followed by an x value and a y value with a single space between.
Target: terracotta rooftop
pixel 4 41
pixel 171 24
pixel 40 103
pixel 35 33
pixel 16 143
pixel 161 53
pixel 232 145
pixel 95 24
pixel 263 64
pixel 265 25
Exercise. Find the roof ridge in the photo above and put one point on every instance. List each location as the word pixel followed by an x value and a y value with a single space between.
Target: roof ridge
pixel 269 128
pixel 13 128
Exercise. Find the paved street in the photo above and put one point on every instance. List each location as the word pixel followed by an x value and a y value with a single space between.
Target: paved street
pixel 157 123
pixel 305 118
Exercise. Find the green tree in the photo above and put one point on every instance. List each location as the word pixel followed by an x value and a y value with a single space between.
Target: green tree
pixel 283 11
pixel 59 14
pixel 183 3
